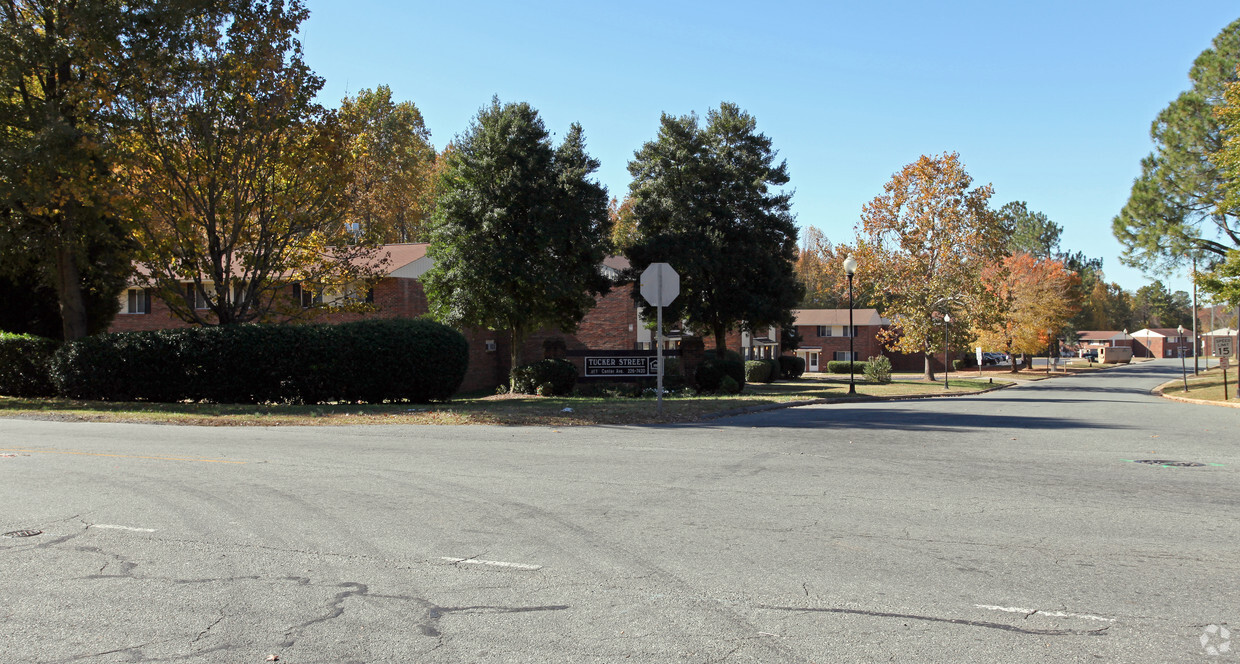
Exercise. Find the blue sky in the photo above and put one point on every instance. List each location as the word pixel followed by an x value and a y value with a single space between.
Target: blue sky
pixel 1050 102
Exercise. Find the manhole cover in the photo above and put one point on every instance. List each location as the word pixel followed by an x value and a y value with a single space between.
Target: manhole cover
pixel 23 533
pixel 1170 464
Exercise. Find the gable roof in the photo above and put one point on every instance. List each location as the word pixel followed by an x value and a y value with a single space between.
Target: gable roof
pixel 1161 332
pixel 837 317
pixel 1099 335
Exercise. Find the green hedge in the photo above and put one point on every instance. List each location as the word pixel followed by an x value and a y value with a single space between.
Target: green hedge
pixel 759 371
pixel 370 361
pixel 841 367
pixel 547 377
pixel 711 373
pixel 791 366
pixel 25 365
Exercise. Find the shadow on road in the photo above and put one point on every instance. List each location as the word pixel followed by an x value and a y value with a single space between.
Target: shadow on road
pixel 900 419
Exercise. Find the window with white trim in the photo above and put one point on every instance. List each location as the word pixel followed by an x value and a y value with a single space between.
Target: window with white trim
pixel 843 356
pixel 136 301
pixel 195 297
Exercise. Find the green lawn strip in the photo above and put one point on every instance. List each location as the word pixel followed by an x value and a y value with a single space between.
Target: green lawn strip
pixel 547 411
pixel 1208 386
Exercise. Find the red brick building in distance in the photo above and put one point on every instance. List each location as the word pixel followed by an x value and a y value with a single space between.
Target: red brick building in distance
pixel 1162 342
pixel 825 335
pixel 1098 339
pixel 613 323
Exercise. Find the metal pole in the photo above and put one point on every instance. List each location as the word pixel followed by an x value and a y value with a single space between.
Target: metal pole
pixel 946 345
pixel 1183 367
pixel 659 350
pixel 1196 339
pixel 852 333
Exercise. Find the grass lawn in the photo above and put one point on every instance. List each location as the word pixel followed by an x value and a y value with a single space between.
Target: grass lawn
pixel 500 410
pixel 1208 386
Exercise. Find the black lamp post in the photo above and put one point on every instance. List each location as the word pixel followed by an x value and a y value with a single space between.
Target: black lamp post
pixel 1183 366
pixel 850 268
pixel 947 318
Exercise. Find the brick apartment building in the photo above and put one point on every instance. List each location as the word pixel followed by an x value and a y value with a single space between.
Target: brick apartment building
pixel 825 335
pixel 1162 342
pixel 613 324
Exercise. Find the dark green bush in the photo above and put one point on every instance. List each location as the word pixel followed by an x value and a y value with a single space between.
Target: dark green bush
pixel 776 374
pixel 547 377
pixel 957 365
pixel 25 365
pixel 757 371
pixel 711 372
pixel 727 355
pixel 841 367
pixel 791 366
pixel 729 386
pixel 371 361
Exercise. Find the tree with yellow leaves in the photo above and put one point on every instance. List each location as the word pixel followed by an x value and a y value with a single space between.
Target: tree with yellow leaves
pixel 1035 298
pixel 922 244
pixel 239 177
pixel 391 163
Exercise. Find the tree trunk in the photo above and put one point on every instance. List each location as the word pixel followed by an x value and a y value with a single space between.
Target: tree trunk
pixel 69 285
pixel 517 337
pixel 721 341
pixel 929 375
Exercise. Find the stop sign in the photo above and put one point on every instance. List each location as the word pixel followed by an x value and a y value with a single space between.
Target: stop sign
pixel 660 284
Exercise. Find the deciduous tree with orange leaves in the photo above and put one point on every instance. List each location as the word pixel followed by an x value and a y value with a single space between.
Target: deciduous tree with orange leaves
pixel 1035 296
pixel 922 244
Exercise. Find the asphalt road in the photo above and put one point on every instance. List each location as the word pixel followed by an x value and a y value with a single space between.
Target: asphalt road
pixel 1007 527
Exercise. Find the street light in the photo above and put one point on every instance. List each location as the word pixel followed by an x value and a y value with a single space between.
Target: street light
pixel 1183 367
pixel 850 268
pixel 947 318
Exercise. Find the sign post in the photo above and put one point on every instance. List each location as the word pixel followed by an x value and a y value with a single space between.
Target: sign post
pixel 660 285
pixel 1223 350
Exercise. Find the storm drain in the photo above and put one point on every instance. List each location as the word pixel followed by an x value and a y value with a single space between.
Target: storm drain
pixel 1167 463
pixel 23 533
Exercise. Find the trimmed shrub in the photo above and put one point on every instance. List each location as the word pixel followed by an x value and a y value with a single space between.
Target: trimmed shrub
pixel 547 378
pixel 878 370
pixel 775 373
pixel 25 365
pixel 729 386
pixel 791 366
pixel 711 372
pixel 727 355
pixel 757 371
pixel 671 367
pixel 841 367
pixel 372 361
pixel 957 365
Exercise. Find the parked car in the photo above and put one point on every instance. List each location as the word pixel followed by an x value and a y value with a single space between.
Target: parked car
pixel 1091 354
pixel 991 359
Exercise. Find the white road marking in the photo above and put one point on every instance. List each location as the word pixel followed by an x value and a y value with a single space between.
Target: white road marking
pixel 112 527
pixel 1053 614
pixel 492 563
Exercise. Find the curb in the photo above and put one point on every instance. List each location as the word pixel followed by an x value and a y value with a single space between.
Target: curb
pixel 1159 391
pixel 834 400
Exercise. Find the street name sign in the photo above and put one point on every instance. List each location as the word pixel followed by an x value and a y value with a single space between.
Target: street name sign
pixel 640 366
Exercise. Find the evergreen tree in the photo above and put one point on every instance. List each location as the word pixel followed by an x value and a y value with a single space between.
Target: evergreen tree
pixel 519 229
pixel 1175 210
pixel 708 202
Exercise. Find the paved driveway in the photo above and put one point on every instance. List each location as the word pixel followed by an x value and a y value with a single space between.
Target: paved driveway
pixel 1014 526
